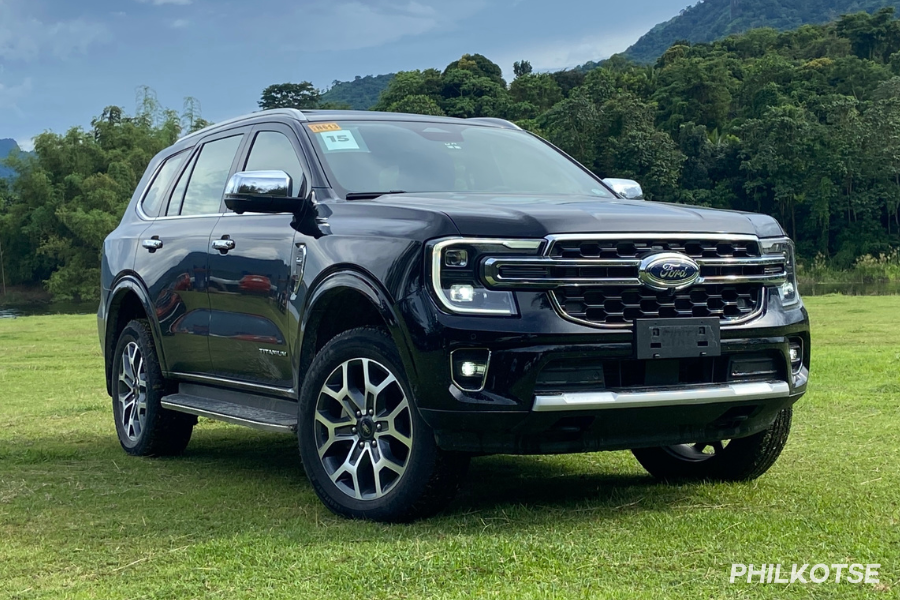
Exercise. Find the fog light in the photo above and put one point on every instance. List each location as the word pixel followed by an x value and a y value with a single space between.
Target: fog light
pixel 462 293
pixel 796 352
pixel 469 368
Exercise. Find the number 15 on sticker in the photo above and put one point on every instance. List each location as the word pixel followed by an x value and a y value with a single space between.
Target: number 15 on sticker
pixel 339 140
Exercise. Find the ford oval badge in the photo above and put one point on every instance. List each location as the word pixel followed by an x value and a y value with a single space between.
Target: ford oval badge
pixel 668 271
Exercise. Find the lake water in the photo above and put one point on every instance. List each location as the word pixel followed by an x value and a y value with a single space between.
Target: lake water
pixel 53 308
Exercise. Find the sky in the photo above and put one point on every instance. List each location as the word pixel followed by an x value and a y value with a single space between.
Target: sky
pixel 63 61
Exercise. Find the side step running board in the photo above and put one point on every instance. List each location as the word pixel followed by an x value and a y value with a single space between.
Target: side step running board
pixel 279 421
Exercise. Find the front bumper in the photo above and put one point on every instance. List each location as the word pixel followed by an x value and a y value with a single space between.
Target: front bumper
pixel 675 396
pixel 516 412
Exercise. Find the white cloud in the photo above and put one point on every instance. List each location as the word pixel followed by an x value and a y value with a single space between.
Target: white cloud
pixel 355 24
pixel 180 23
pixel 163 2
pixel 26 145
pixel 11 96
pixel 25 38
pixel 566 53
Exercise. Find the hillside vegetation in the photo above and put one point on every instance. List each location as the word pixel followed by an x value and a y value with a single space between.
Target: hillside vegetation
pixel 7 146
pixel 803 125
pixel 710 20
pixel 360 94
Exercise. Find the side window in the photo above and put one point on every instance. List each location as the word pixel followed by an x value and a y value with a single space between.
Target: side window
pixel 177 197
pixel 154 196
pixel 273 151
pixel 209 177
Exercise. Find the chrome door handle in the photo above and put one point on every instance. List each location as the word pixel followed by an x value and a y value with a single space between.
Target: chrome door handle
pixel 152 245
pixel 223 246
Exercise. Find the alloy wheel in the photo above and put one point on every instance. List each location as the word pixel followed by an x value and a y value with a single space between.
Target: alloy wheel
pixel 363 429
pixel 131 392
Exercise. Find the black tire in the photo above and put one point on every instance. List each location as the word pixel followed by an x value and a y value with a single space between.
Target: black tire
pixel 431 476
pixel 150 430
pixel 742 459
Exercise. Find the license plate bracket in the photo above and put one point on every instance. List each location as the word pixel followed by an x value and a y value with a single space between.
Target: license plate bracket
pixel 677 338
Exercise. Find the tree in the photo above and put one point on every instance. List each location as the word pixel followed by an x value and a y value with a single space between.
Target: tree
pixel 522 67
pixel 480 66
pixel 541 90
pixel 73 190
pixel 417 104
pixel 410 83
pixel 290 95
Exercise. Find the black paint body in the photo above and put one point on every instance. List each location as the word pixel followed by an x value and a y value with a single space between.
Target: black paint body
pixel 242 320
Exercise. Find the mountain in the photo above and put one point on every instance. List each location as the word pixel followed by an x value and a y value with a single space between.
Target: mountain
pixel 361 93
pixel 711 20
pixel 6 146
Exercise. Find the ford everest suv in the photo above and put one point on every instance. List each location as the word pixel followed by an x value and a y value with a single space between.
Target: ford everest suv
pixel 404 292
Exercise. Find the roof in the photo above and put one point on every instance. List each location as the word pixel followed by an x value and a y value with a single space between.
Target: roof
pixel 356 115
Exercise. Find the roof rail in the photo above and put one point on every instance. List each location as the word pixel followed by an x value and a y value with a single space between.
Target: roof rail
pixel 494 121
pixel 285 112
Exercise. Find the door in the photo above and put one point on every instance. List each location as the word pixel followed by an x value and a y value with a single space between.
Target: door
pixel 173 260
pixel 254 262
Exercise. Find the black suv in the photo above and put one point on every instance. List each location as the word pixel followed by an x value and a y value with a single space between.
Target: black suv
pixel 405 292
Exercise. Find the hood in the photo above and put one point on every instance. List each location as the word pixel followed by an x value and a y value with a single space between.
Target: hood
pixel 509 215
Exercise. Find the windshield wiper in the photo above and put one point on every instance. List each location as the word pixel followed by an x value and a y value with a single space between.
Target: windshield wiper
pixel 370 195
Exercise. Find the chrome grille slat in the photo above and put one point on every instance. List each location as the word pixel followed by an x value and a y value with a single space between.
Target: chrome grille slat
pixel 593 279
pixel 543 273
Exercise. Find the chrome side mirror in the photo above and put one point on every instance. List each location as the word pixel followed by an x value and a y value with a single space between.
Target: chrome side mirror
pixel 260 183
pixel 627 188
pixel 264 192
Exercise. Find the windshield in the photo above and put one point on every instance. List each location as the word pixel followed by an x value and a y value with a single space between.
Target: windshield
pixel 385 156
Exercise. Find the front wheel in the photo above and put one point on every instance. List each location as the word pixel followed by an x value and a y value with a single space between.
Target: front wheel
pixel 739 459
pixel 367 452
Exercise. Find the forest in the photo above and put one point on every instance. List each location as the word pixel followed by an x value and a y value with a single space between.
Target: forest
pixel 361 93
pixel 803 125
pixel 710 20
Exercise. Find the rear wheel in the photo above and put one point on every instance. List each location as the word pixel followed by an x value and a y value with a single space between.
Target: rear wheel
pixel 366 450
pixel 144 427
pixel 739 459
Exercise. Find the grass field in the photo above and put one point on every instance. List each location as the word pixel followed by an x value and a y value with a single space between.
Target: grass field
pixel 235 517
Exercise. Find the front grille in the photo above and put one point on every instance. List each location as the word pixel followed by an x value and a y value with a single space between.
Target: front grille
pixel 584 270
pixel 599 280
pixel 620 305
pixel 638 248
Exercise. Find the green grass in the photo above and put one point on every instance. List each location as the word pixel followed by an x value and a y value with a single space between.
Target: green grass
pixel 235 517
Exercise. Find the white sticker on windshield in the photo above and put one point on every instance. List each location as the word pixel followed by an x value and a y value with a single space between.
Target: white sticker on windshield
pixel 336 141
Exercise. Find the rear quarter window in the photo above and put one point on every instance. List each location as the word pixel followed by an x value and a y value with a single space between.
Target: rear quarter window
pixel 153 198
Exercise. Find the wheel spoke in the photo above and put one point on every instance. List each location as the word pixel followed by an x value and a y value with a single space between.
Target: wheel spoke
pixel 389 425
pixel 386 463
pixel 403 439
pixel 132 350
pixel 396 412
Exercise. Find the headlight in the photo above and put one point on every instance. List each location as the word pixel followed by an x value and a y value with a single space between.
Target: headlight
pixel 455 264
pixel 783 246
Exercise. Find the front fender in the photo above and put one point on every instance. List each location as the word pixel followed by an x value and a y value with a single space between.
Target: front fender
pixel 367 287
